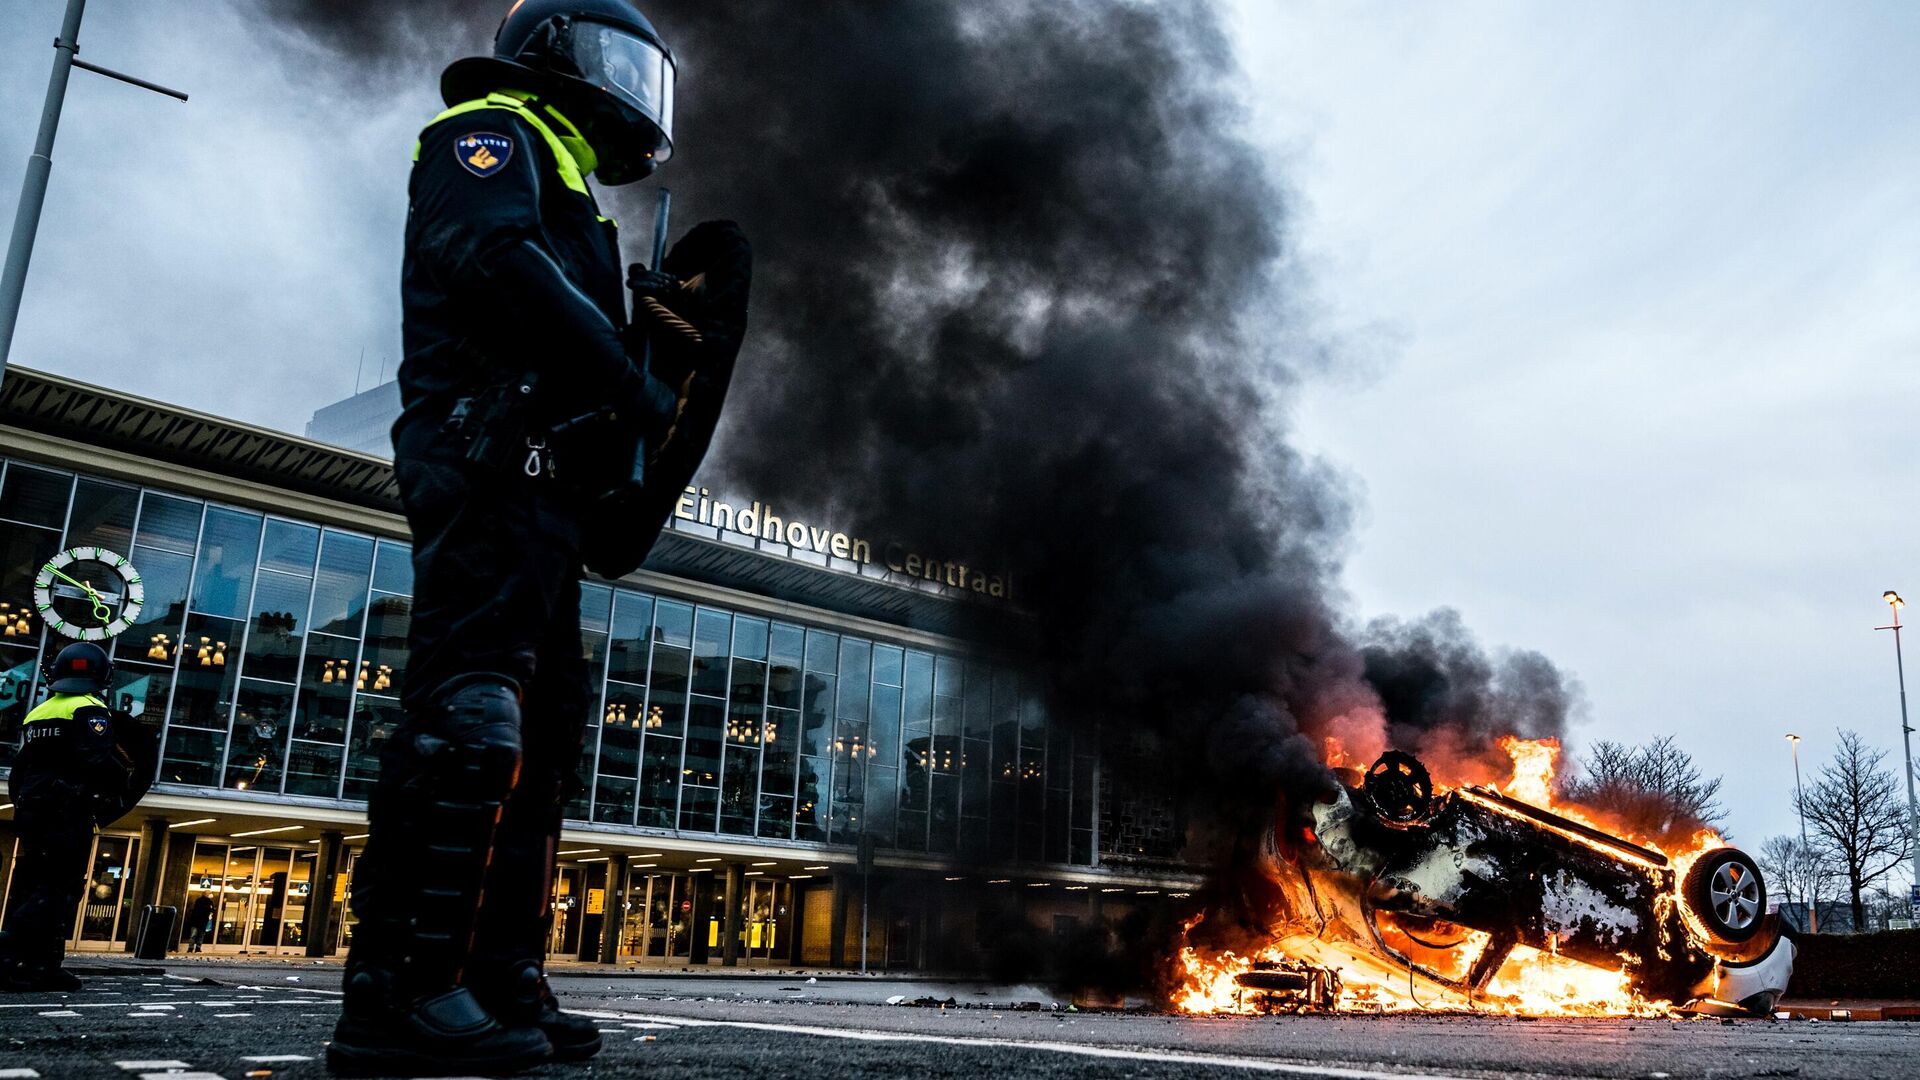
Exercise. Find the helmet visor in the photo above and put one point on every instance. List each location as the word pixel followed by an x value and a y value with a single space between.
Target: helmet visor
pixel 633 69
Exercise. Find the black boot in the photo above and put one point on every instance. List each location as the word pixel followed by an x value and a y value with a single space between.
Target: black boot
pixel 443 777
pixel 518 995
pixel 384 1031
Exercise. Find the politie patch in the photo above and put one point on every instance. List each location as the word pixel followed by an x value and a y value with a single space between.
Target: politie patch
pixel 483 153
pixel 98 725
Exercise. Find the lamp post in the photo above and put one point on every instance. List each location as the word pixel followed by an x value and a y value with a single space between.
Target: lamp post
pixel 33 191
pixel 1906 738
pixel 1806 853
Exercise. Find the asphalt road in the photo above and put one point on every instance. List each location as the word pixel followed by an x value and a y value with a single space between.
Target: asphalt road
pixel 208 1019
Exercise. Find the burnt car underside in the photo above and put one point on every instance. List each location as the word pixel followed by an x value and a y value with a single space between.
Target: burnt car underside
pixel 1447 886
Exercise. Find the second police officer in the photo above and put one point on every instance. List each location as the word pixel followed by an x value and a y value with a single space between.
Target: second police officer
pixel 81 765
pixel 540 432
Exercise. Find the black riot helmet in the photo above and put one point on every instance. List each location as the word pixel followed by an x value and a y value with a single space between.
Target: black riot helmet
pixel 601 63
pixel 81 668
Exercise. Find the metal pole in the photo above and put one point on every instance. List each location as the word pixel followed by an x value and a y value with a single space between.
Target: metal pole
pixel 1806 853
pixel 33 192
pixel 1906 746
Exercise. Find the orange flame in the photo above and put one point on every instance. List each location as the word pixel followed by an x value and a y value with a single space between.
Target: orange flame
pixel 1530 982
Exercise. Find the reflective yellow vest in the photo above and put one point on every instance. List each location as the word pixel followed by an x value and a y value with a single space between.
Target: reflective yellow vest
pixel 62 707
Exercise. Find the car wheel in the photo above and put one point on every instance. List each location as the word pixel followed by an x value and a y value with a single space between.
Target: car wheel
pixel 1726 893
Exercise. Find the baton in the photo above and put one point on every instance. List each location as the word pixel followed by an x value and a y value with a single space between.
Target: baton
pixel 662 206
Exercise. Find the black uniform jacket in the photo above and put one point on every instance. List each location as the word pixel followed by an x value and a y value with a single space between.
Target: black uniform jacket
pixel 507 270
pixel 92 753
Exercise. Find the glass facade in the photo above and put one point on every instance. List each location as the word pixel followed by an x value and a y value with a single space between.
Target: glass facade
pixel 273 652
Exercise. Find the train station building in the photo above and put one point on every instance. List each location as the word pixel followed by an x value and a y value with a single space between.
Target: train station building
pixel 796 733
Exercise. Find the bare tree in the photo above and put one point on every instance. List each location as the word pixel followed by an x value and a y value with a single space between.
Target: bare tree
pixel 1654 790
pixel 1858 816
pixel 1802 872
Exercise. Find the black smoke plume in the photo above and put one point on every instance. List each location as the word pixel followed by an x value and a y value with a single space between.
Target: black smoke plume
pixel 1027 294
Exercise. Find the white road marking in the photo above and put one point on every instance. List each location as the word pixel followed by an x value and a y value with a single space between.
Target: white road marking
pixel 60 1012
pixel 182 1076
pixel 18 1074
pixel 157 1007
pixel 270 1059
pixel 231 1016
pixel 145 1066
pixel 1169 1057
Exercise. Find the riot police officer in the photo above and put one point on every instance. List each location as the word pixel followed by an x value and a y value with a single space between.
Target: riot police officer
pixel 73 774
pixel 538 434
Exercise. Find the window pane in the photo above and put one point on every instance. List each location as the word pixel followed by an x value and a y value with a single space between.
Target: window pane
pixel 103 515
pixel 786 644
pixel 779 752
pixel 203 690
pixel 314 769
pixel 35 496
pixel 625 709
pixel 16 695
pixel 23 551
pixel 279 617
pixel 224 576
pixel 659 781
pixel 632 617
pixel 698 807
pixel 290 547
pixel 393 568
pixel 823 651
pixel 813 804
pixel 594 602
pixel 706 723
pixel 816 724
pixel 943 823
pixel 384 662
pixel 260 721
pixel 326 689
pixel 979 710
pixel 918 712
pixel 776 817
pixel 140 690
pixel 620 738
pixel 673 623
pixel 164 574
pixel 374 721
pixel 739 796
pixel 613 799
pixel 169 523
pixel 667 705
pixel 340 591
pixel 887 664
pixel 856 660
pixel 750 638
pixel 883 727
pixel 191 757
pixel 710 633
pixel 783 683
pixel 883 799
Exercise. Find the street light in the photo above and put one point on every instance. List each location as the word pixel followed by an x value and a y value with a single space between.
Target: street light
pixel 33 190
pixel 1906 743
pixel 1806 853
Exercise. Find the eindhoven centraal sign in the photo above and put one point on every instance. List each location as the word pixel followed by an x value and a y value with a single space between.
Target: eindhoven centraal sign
pixel 757 519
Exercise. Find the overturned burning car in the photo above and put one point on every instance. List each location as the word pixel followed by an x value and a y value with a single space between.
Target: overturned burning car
pixel 1473 898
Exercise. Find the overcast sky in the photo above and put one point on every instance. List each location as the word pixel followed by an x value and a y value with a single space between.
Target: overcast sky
pixel 1625 293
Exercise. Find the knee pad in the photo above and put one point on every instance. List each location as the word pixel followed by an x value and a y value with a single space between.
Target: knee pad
pixel 470 747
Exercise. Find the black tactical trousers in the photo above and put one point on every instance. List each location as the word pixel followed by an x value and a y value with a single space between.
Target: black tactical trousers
pixel 54 819
pixel 496 594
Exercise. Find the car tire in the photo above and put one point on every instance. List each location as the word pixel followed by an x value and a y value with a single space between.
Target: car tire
pixel 1727 896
